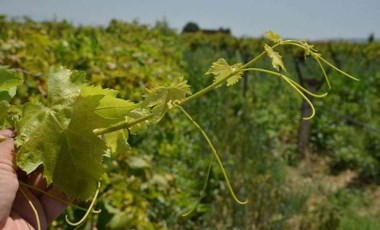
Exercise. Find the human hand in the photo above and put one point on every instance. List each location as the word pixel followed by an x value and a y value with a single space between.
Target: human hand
pixel 15 209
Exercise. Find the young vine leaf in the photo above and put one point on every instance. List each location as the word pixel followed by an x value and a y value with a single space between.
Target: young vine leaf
pixel 60 135
pixel 273 36
pixel 161 98
pixel 309 50
pixel 221 70
pixel 276 58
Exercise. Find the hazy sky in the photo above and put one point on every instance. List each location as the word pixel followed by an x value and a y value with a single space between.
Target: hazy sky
pixel 312 19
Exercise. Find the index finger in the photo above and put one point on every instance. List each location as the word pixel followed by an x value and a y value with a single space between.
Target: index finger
pixel 7 147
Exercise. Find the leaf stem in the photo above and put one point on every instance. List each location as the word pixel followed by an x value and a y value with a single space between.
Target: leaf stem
pixel 293 82
pixel 52 196
pixel 259 56
pixel 340 71
pixel 295 86
pixel 302 95
pixel 89 210
pixel 203 189
pixel 255 59
pixel 122 125
pixel 208 88
pixel 324 73
pixel 35 212
pixel 214 153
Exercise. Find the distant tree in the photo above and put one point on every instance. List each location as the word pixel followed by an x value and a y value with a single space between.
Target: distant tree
pixel 371 38
pixel 225 30
pixel 190 27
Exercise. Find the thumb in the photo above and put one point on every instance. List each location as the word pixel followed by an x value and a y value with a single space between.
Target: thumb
pixel 6 147
pixel 8 176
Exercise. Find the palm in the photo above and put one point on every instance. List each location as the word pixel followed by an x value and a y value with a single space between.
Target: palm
pixel 15 210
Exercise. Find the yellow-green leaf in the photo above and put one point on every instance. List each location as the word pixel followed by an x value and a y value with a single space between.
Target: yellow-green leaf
pixel 8 83
pixel 221 69
pixel 160 99
pixel 273 36
pixel 60 135
pixel 276 58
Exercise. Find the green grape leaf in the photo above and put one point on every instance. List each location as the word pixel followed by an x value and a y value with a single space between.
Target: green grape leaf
pixel 66 152
pixel 40 127
pixel 80 159
pixel 60 135
pixel 39 132
pixel 8 83
pixel 221 69
pixel 273 36
pixel 161 98
pixel 276 58
pixel 83 150
pixel 102 107
pixel 64 86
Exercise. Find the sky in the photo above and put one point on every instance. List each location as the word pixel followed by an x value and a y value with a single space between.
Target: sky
pixel 301 19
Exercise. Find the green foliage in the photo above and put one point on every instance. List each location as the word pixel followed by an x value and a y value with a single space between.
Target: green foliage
pixel 8 85
pixel 346 208
pixel 60 136
pixel 353 221
pixel 147 186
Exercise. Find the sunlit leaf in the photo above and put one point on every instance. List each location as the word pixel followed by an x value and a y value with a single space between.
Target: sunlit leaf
pixel 161 98
pixel 273 36
pixel 221 69
pixel 8 83
pixel 60 135
pixel 276 58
